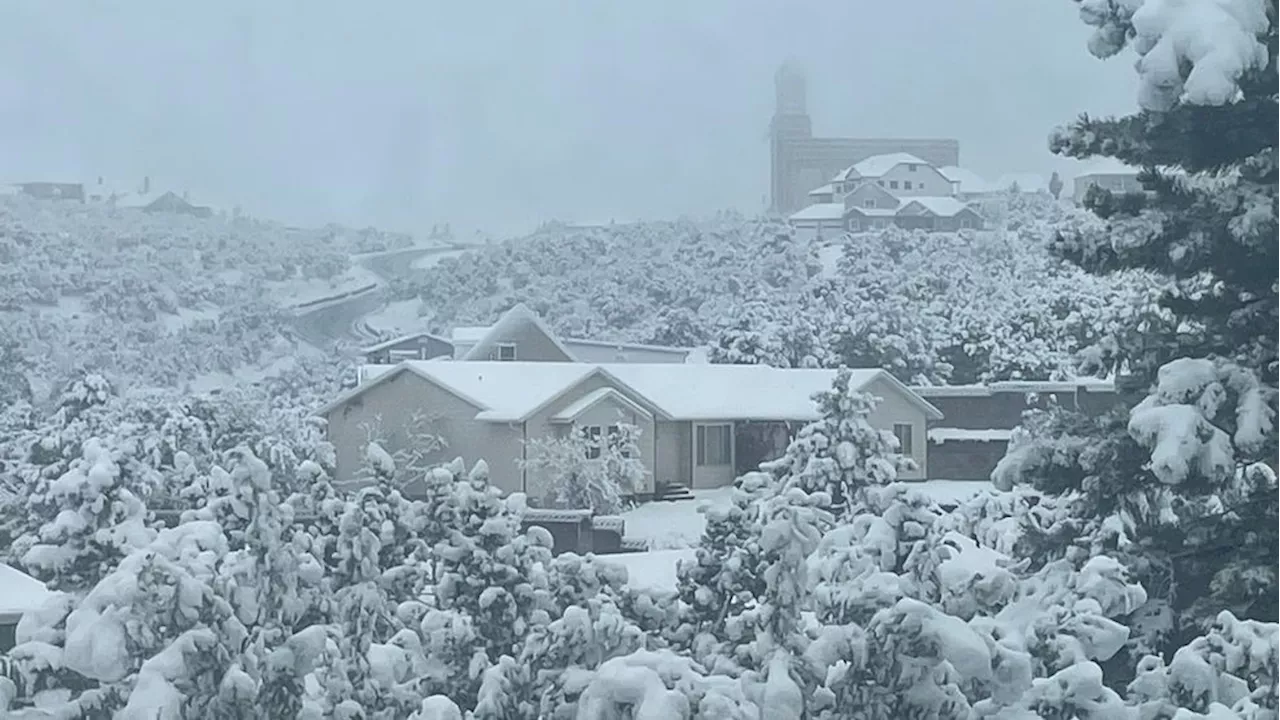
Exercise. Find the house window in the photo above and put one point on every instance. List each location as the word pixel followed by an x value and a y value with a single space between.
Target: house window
pixel 880 183
pixel 507 352
pixel 912 168
pixel 592 434
pixel 853 225
pixel 614 434
pixel 714 445
pixel 906 184
pixel 869 203
pixel 903 431
pixel 893 184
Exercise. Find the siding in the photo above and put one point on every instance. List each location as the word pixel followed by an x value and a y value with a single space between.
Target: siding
pixel 894 407
pixel 391 406
pixel 924 181
pixel 532 345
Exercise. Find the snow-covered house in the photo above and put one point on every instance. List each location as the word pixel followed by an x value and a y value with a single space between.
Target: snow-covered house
pixel 701 425
pixel 19 594
pixel 967 185
pixel 820 220
pixel 901 174
pixel 885 190
pixel 518 335
pixel 162 202
pixel 1107 174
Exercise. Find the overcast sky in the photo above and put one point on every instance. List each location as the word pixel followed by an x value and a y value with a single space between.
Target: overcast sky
pixel 502 114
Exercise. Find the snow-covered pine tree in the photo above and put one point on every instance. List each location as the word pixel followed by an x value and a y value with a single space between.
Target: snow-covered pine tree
pixel 490 571
pixel 1192 462
pixel 724 579
pixel 842 453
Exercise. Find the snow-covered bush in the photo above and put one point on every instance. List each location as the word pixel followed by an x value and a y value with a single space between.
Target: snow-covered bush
pixel 588 473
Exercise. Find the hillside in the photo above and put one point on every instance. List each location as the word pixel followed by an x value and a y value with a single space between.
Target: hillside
pixel 161 300
pixel 930 307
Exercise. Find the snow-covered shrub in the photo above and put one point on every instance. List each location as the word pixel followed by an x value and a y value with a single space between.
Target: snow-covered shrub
pixel 587 473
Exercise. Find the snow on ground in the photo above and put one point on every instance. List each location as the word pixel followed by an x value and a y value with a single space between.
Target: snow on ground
pixel 19 593
pixel 829 256
pixel 432 259
pixel 186 317
pixel 670 525
pixel 672 529
pixel 296 292
pixel 396 318
pixel 653 570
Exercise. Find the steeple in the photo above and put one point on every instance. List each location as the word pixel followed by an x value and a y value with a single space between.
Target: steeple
pixel 789 86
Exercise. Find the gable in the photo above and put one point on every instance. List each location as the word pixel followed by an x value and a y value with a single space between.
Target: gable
pixel 396 383
pixel 533 340
pixel 870 191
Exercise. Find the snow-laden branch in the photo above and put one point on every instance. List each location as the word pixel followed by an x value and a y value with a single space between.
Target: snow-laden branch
pixel 1192 51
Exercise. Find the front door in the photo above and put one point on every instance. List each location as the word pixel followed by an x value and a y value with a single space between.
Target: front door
pixel 712 455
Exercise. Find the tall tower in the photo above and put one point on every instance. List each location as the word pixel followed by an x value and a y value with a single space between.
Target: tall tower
pixel 790 124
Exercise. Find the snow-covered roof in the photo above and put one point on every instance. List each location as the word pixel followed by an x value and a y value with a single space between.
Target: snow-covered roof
pixel 945 434
pixel 396 341
pixel 1105 166
pixel 572 342
pixel 820 211
pixel 514 391
pixel 518 316
pixel 967 180
pixel 19 593
pixel 1022 386
pixel 875 212
pixel 827 189
pixel 591 399
pixel 940 206
pixel 877 165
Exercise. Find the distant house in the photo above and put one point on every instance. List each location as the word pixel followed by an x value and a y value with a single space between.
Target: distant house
pixel 519 335
pixel 821 220
pixel 967 185
pixel 901 174
pixel 416 346
pixel 1107 174
pixel 162 202
pixel 53 190
pixel 701 425
pixel 19 594
pixel 894 189
pixel 940 214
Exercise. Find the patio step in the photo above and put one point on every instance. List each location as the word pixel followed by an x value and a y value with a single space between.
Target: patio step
pixel 672 492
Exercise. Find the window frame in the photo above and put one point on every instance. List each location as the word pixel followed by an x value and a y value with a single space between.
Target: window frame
pixel 905 447
pixel 593 434
pixel 702 433
pixel 893 184
pixel 500 347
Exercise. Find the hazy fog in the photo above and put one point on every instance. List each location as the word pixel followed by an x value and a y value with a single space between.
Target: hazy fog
pixel 499 115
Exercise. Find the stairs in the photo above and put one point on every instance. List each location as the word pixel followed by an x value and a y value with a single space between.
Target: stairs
pixel 671 492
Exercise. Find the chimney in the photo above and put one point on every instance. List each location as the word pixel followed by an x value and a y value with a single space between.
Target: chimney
pixel 146 185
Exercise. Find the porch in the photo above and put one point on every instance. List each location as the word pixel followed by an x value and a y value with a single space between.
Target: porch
pixel 711 454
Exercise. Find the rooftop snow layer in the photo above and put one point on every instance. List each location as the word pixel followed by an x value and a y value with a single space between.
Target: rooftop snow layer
pixel 821 211
pixel 877 165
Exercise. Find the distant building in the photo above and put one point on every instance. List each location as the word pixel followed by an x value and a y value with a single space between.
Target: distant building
pixel 1106 174
pixel 801 162
pixel 53 190
pixel 163 202
pixel 895 189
